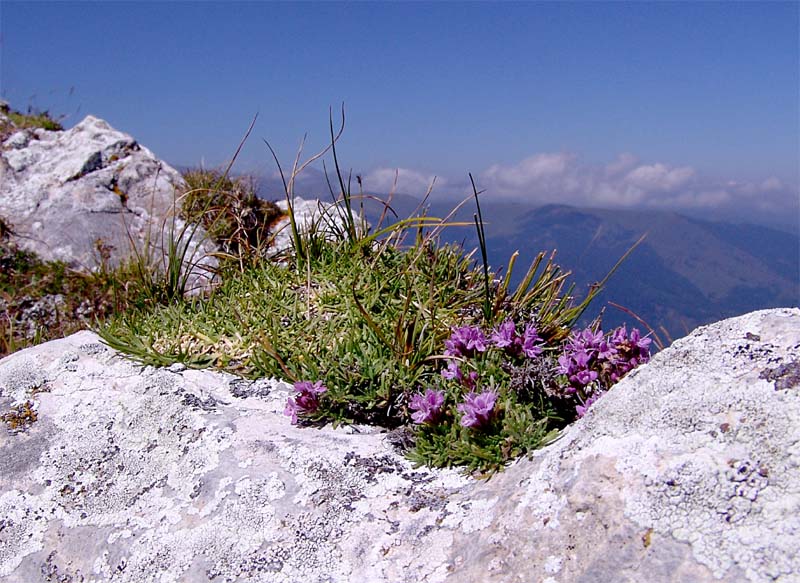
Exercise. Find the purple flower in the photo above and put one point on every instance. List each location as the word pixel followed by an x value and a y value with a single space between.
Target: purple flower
pixel 531 341
pixel 566 365
pixel 583 377
pixel 592 361
pixel 582 409
pixel 505 334
pixel 465 341
pixel 477 408
pixel 576 363
pixel 619 335
pixel 427 406
pixel 453 372
pixel 606 350
pixel 582 359
pixel 306 401
pixel 643 344
pixel 586 340
pixel 629 352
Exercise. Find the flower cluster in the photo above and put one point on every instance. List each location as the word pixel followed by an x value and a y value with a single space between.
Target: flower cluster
pixel 465 341
pixel 427 406
pixel 592 362
pixel 630 351
pixel 453 372
pixel 477 408
pixel 529 343
pixel 306 401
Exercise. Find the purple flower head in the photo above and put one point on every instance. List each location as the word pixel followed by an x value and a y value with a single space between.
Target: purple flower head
pixel 585 341
pixel 619 335
pixel 582 409
pixel 453 372
pixel 582 359
pixel 306 401
pixel 583 377
pixel 643 344
pixel 531 341
pixel 566 365
pixel 477 408
pixel 577 367
pixel 592 339
pixel 505 334
pixel 427 406
pixel 607 350
pixel 307 387
pixel 465 341
pixel 630 352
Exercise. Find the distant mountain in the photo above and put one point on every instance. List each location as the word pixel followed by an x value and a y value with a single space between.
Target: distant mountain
pixel 686 273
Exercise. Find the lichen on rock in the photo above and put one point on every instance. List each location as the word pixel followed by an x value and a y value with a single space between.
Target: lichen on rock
pixel 687 470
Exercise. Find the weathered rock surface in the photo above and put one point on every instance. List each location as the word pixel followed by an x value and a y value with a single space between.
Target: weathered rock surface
pixel 688 470
pixel 63 191
pixel 312 215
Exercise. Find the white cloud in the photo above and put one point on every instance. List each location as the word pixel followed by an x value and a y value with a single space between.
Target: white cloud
pixel 625 182
pixel 407 181
pixel 694 200
pixel 530 172
pixel 772 183
pixel 623 163
pixel 659 177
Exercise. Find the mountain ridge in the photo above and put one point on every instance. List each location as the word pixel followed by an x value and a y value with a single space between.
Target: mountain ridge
pixel 687 271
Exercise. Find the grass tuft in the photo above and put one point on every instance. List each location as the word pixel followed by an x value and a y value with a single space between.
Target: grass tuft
pixel 32 119
pixel 238 222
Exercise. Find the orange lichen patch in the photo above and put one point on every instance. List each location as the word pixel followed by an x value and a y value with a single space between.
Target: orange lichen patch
pixel 20 417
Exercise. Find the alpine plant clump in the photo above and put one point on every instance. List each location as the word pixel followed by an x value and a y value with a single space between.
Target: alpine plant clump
pixel 501 393
pixel 591 362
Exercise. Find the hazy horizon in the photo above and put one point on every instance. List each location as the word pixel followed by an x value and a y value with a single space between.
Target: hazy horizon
pixel 691 107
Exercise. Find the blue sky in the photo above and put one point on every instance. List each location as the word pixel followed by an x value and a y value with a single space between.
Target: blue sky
pixel 677 105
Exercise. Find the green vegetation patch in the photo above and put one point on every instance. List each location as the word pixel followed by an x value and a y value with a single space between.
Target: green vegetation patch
pixel 389 335
pixel 413 336
pixel 34 120
pixel 45 300
pixel 234 217
pixel 31 120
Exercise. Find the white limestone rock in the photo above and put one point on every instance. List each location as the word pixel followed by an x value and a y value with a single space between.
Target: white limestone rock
pixel 62 191
pixel 687 470
pixel 312 215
